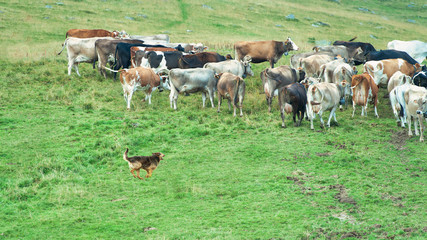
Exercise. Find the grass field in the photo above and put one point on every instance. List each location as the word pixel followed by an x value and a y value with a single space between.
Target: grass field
pixel 62 137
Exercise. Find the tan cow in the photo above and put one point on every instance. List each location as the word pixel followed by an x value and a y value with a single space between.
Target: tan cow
pixel 364 89
pixel 416 107
pixel 231 87
pixel 327 69
pixel 397 79
pixel 141 78
pixel 89 33
pixel 261 51
pixel 381 71
pixel 322 97
pixel 311 65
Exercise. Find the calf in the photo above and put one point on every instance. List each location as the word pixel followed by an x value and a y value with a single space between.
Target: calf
pixel 295 95
pixel 381 71
pixel 416 107
pixel 322 97
pixel 231 87
pixel 190 81
pixel 236 67
pixel 364 89
pixel 275 78
pixel 141 78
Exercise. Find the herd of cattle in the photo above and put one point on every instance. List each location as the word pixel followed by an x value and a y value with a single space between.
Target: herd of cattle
pixel 314 82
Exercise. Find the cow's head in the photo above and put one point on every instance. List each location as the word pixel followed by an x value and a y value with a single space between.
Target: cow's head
pixel 198 48
pixel 164 79
pixel 422 106
pixel 290 46
pixel 123 34
pixel 115 34
pixel 247 66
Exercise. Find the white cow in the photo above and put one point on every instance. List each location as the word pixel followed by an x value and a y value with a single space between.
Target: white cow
pixel 397 79
pixel 81 50
pixel 416 107
pixel 416 49
pixel 190 81
pixel 398 104
pixel 236 67
pixel 322 97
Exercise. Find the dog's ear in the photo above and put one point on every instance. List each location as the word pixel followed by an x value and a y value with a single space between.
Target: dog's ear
pixel 156 154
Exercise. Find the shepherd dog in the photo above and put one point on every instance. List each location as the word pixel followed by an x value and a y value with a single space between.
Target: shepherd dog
pixel 148 163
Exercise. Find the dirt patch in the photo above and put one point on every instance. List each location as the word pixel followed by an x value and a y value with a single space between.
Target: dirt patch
pixel 342 194
pixel 399 138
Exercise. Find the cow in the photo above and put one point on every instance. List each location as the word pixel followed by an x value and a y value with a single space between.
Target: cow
pixel 295 59
pixel 416 49
pixel 343 74
pixel 398 104
pixel 364 89
pixel 381 71
pixel 416 107
pixel 327 69
pixel 398 78
pixel 262 51
pixel 275 78
pixel 81 50
pixel 159 38
pixel 353 46
pixel 322 97
pixel 157 59
pixel 232 87
pixel 105 50
pixel 420 78
pixel 141 78
pixel 294 95
pixel 236 67
pixel 122 54
pixel 198 60
pixel 191 48
pixel 90 33
pixel 134 50
pixel 385 54
pixel 335 50
pixel 311 65
pixel 190 81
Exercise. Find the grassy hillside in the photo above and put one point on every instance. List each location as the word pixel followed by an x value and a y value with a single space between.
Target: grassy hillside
pixel 62 137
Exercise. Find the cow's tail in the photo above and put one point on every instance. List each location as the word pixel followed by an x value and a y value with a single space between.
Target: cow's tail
pixel 351 40
pixel 125 155
pixel 236 90
pixel 115 71
pixel 63 46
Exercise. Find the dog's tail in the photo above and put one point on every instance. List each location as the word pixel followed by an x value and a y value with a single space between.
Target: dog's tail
pixel 125 155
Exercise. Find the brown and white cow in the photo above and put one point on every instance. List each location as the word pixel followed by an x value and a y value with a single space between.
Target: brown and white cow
pixel 381 71
pixel 231 87
pixel 364 89
pixel 311 65
pixel 141 78
pixel 397 79
pixel 416 107
pixel 89 33
pixel 262 51
pixel 323 97
pixel 275 78
pixel 81 50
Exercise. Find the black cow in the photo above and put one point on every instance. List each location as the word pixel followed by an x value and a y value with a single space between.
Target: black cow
pixel 295 95
pixel 198 60
pixel 385 54
pixel 122 54
pixel 352 46
pixel 154 59
pixel 420 78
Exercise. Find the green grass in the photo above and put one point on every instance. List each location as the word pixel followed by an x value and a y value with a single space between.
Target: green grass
pixel 62 137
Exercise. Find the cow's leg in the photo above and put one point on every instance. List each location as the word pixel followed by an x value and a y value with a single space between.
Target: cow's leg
pixel 311 121
pixel 331 115
pixel 211 97
pixel 70 65
pixel 204 99
pixel 420 119
pixel 408 120
pixel 76 67
pixel 241 106
pixel 234 109
pixel 354 108
pixel 229 104
pixel 322 123
pixel 416 126
pixel 148 95
pixel 282 114
pixel 129 98
pixel 219 102
pixel 269 100
pixel 173 97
